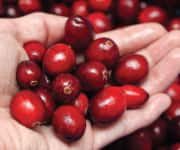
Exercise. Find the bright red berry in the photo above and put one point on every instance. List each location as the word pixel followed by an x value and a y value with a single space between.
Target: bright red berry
pixel 100 5
pixel 175 146
pixel 60 9
pixel 173 111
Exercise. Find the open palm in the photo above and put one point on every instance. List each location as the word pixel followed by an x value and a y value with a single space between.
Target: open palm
pixel 150 40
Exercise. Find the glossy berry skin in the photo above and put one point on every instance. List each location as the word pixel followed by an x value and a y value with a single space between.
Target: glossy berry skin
pixel 107 105
pixel 127 10
pixel 69 123
pixel 28 6
pixel 100 5
pixel 135 96
pixel 80 7
pixel 28 74
pixel 152 14
pixel 35 50
pixel 174 24
pixel 173 111
pixel 59 58
pixel 60 9
pixel 48 101
pixel 27 108
pixel 66 87
pixel 82 103
pixel 78 32
pixel 45 82
pixel 131 69
pixel 103 50
pixel 100 22
pixel 12 11
pixel 93 75
pixel 175 146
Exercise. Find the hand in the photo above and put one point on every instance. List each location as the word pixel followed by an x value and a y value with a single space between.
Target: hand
pixel 151 40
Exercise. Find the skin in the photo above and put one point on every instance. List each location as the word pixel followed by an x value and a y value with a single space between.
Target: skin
pixel 151 40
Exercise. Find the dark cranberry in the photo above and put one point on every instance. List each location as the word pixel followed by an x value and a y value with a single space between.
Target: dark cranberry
pixel 103 50
pixel 66 87
pixel 163 148
pixel 10 1
pixel 78 32
pixel 28 74
pixel 27 108
pixel 93 75
pixel 100 5
pixel 135 96
pixel 108 105
pixel 12 11
pixel 152 14
pixel 175 146
pixel 143 4
pixel 174 110
pixel 45 82
pixel 35 50
pixel 80 7
pixel 131 69
pixel 59 58
pixel 69 123
pixel 174 24
pixel 100 22
pixel 60 9
pixel 2 8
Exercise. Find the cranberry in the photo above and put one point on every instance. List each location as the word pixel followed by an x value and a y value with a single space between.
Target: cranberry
pixel 127 10
pixel 27 108
pixel 100 5
pixel 82 103
pixel 175 146
pixel 143 4
pixel 35 50
pixel 66 87
pixel 131 69
pixel 60 9
pixel 140 140
pixel 80 7
pixel 10 1
pixel 48 101
pixel 45 82
pixel 174 110
pixel 135 96
pixel 28 74
pixel 174 129
pixel 69 123
pixel 108 105
pixel 153 14
pixel 12 11
pixel 28 6
pixel 100 22
pixel 59 58
pixel 93 75
pixel 103 50
pixel 78 32
pixel 174 24
pixel 2 9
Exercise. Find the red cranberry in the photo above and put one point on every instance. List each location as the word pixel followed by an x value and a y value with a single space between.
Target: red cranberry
pixel 45 82
pixel 69 123
pixel 93 75
pixel 143 4
pixel 82 103
pixel 66 87
pixel 140 140
pixel 127 10
pixel 60 9
pixel 135 96
pixel 12 11
pixel 174 129
pixel 59 58
pixel 175 146
pixel 153 14
pixel 103 50
pixel 174 24
pixel 35 50
pixel 28 74
pixel 78 32
pixel 80 7
pixel 174 110
pixel 131 69
pixel 100 22
pixel 28 6
pixel 27 108
pixel 48 101
pixel 108 105
pixel 100 5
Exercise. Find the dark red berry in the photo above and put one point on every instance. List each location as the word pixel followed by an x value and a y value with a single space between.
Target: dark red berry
pixel 135 96
pixel 27 108
pixel 78 32
pixel 45 82
pixel 69 123
pixel 93 75
pixel 174 24
pixel 35 50
pixel 103 50
pixel 108 105
pixel 100 5
pixel 60 9
pixel 131 69
pixel 143 4
pixel 66 87
pixel 12 11
pixel 175 146
pixel 59 58
pixel 28 74
pixel 173 111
